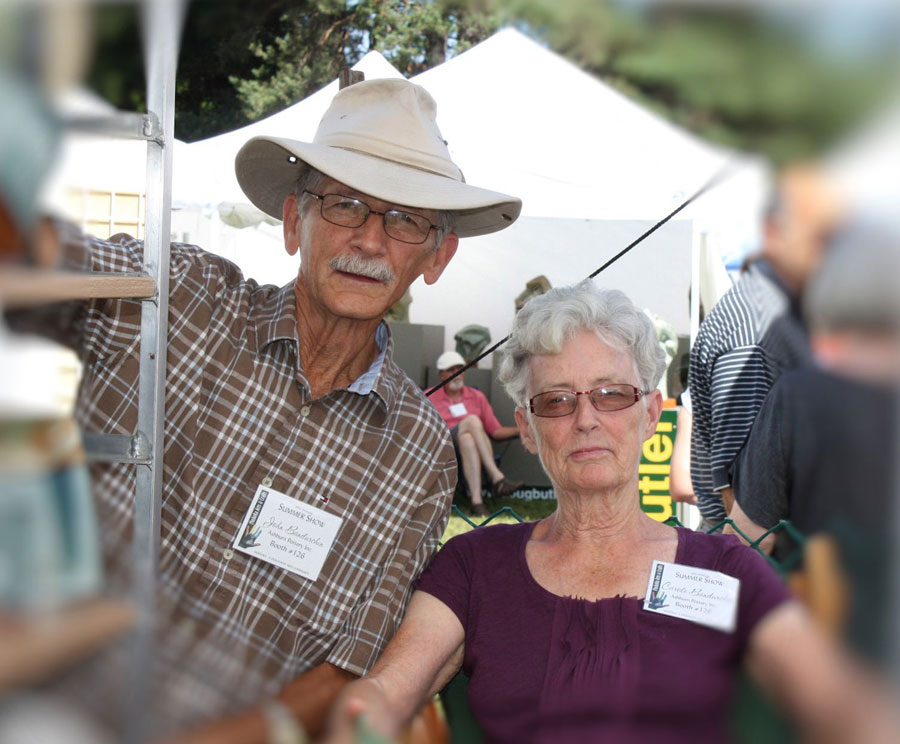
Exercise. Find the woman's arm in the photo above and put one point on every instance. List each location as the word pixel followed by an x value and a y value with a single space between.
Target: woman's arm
pixel 418 662
pixel 680 486
pixel 827 692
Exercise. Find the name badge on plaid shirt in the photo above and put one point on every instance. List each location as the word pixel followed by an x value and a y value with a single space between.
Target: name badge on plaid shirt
pixel 287 533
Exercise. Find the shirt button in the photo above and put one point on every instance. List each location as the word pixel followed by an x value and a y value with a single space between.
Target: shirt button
pixel 304 411
pixel 188 626
pixel 228 554
pixel 267 482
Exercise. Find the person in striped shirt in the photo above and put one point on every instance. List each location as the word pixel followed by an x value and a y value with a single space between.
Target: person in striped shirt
pixel 755 333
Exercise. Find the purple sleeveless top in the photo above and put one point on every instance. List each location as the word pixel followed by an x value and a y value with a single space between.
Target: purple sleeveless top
pixel 556 670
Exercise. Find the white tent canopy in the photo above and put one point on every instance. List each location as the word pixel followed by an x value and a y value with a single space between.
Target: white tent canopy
pixel 481 283
pixel 518 118
pixel 593 169
pixel 529 122
pixel 521 119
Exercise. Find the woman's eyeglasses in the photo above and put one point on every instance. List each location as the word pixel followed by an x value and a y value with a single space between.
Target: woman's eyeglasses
pixel 556 403
pixel 349 212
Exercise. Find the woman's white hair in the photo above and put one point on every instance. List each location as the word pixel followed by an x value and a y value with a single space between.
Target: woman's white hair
pixel 547 321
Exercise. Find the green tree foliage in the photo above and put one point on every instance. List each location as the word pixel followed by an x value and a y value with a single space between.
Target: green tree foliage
pixel 218 44
pixel 761 81
pixel 118 69
pixel 738 77
pixel 305 47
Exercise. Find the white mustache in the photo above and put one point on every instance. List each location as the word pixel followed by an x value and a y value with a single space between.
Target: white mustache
pixel 368 267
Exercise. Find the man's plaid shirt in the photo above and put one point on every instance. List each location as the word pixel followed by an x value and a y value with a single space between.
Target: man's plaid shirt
pixel 232 628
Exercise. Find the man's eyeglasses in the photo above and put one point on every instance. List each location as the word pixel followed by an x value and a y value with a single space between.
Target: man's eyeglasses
pixel 556 403
pixel 349 212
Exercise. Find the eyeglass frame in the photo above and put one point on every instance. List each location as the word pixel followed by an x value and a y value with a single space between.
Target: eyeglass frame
pixel 638 394
pixel 321 198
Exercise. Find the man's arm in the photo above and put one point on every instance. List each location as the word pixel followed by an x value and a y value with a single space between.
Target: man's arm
pixel 308 698
pixel 739 384
pixel 760 476
pixel 749 528
pixel 96 329
pixel 420 660
pixel 727 494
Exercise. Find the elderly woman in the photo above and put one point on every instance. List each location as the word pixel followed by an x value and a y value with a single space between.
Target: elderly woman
pixel 560 624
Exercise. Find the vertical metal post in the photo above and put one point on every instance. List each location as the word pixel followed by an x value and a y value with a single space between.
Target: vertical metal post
pixel 686 513
pixel 698 248
pixel 892 603
pixel 161 25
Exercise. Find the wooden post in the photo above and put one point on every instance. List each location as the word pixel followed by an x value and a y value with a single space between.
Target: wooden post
pixel 349 77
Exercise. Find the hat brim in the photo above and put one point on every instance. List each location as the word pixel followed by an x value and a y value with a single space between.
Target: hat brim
pixel 267 169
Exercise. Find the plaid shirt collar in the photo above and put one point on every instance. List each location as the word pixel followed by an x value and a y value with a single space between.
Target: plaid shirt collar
pixel 277 322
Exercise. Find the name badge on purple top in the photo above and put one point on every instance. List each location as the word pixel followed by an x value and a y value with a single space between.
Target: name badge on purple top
pixel 696 594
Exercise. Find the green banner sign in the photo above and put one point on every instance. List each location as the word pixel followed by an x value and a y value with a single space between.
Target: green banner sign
pixel 653 472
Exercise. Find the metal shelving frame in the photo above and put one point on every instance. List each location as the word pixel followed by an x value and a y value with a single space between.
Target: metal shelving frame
pixel 161 22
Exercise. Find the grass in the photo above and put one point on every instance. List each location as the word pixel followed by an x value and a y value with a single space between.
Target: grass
pixel 529 511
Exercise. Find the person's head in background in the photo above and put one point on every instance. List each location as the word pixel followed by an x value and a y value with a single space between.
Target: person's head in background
pixel 448 364
pixel 805 210
pixel 852 305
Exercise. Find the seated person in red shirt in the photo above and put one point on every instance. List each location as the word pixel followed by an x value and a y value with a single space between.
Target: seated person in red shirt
pixel 472 421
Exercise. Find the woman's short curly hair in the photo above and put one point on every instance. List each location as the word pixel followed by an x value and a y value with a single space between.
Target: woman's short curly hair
pixel 547 321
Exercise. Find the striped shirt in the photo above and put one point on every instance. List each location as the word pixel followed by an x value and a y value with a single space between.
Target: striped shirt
pixel 750 337
pixel 233 628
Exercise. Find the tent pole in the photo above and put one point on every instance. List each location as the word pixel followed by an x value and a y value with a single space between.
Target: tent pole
pixel 697 248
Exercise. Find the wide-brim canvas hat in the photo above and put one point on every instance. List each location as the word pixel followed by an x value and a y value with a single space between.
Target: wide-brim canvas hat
pixel 379 137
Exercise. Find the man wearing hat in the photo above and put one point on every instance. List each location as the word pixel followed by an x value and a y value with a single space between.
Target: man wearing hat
pixel 306 479
pixel 468 414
